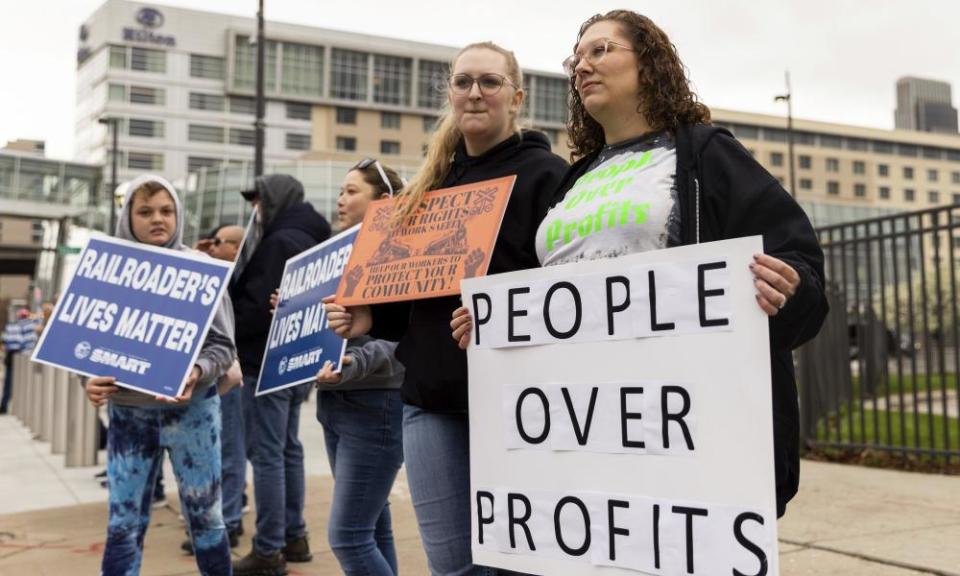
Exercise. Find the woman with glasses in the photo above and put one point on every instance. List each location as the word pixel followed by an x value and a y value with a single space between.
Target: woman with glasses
pixel 641 134
pixel 477 138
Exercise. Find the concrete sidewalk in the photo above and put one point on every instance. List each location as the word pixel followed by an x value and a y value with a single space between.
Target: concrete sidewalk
pixel 846 520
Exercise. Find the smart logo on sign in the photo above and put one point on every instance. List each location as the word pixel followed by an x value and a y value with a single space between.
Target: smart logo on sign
pixel 117 360
pixel 306 359
pixel 82 350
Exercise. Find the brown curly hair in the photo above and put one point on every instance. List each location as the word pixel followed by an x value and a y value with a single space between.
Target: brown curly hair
pixel 667 101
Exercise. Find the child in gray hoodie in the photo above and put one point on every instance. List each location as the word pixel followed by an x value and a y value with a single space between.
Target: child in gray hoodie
pixel 143 426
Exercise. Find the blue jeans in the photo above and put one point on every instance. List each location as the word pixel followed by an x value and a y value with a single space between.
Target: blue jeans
pixel 234 457
pixel 272 422
pixel 138 436
pixel 362 430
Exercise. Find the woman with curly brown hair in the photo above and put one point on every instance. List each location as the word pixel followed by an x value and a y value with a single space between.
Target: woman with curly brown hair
pixel 653 173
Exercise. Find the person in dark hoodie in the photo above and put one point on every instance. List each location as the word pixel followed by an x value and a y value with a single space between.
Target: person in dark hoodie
pixel 285 226
pixel 635 123
pixel 143 426
pixel 477 139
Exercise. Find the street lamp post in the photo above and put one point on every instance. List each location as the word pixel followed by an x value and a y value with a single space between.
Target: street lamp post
pixel 788 99
pixel 258 123
pixel 112 200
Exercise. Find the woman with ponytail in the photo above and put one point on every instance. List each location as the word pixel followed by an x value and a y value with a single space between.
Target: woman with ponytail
pixel 478 138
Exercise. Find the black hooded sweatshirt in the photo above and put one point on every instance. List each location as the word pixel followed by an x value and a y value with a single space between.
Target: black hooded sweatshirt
pixel 290 226
pixel 436 369
pixel 723 194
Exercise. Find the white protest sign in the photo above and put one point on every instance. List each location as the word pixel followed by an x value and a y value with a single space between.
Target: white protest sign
pixel 621 418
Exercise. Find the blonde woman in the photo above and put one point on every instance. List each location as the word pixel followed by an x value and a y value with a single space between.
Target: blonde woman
pixel 478 138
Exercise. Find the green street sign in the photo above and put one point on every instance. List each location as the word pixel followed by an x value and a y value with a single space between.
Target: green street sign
pixel 64 250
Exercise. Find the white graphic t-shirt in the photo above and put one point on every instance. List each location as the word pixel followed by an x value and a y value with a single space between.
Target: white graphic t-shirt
pixel 625 203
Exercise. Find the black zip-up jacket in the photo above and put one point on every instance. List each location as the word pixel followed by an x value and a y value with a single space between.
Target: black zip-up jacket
pixel 294 227
pixel 436 369
pixel 724 193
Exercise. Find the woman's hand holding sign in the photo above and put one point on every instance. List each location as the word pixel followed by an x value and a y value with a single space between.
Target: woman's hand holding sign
pixel 326 375
pixel 461 325
pixel 347 322
pixel 776 282
pixel 187 393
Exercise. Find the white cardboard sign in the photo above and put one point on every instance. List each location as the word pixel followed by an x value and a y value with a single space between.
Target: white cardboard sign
pixel 620 417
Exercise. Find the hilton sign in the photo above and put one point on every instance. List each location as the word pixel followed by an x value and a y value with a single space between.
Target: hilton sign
pixel 150 19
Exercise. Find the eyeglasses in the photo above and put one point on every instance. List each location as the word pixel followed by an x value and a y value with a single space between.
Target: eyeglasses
pixel 489 84
pixel 366 162
pixel 593 55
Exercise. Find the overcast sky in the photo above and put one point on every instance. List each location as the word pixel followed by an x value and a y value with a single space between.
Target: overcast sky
pixel 844 56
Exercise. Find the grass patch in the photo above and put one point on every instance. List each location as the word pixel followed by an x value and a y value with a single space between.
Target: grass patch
pixel 906 384
pixel 910 432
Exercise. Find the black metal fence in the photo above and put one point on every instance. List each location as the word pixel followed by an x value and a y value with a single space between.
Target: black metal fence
pixel 882 373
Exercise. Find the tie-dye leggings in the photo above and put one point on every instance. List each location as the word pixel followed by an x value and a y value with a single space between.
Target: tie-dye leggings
pixel 136 440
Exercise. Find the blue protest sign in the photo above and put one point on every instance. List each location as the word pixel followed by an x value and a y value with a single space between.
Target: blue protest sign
pixel 300 341
pixel 135 312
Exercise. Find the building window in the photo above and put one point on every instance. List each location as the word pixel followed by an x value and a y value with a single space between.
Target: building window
pixel 909 195
pixel 883 170
pixel 553 135
pixel 204 133
pixel 743 132
pixel 932 175
pixel 432 84
pixel 390 120
pixel 242 137
pixel 550 99
pixel 858 144
pixel 884 192
pixel 833 188
pixel 245 65
pixel 833 165
pixel 908 150
pixel 776 158
pixel 389 147
pixel 348 74
pixel 830 141
pixel 298 141
pixel 346 115
pixel 117 93
pixel 429 122
pixel 860 190
pixel 933 197
pixel 956 198
pixel 144 128
pixel 932 153
pixel 346 143
pixel 212 102
pixel 298 111
pixel 806 184
pixel 774 135
pixel 391 79
pixel 907 173
pixel 211 67
pixel 804 138
pixel 881 147
pixel 955 177
pixel 243 105
pixel 953 155
pixel 859 167
pixel 144 161
pixel 301 70
pixel 148 96
pixel 147 60
pixel 195 163
pixel 118 57
pixel 805 161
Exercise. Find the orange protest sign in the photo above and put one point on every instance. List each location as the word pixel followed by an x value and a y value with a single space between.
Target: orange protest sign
pixel 448 238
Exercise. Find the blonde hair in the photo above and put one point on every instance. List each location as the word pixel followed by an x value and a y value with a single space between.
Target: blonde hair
pixel 446 136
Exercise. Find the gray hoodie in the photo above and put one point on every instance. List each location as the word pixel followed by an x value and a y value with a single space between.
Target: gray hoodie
pixel 217 351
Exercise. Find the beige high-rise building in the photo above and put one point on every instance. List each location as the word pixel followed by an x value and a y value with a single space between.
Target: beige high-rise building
pixel 845 172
